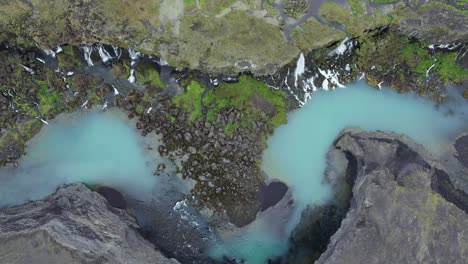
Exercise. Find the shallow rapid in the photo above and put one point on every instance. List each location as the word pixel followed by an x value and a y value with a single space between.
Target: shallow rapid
pixel 296 153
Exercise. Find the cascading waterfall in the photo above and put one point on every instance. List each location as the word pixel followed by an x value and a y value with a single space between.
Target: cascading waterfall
pixel 131 78
pixel 105 56
pixel 117 51
pixel 88 50
pixel 134 55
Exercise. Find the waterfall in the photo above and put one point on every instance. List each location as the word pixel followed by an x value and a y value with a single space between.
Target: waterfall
pixel 300 68
pixel 428 70
pixel 117 51
pixel 28 69
pixel 105 56
pixel 341 49
pixel 88 50
pixel 131 79
pixel 116 92
pixel 134 54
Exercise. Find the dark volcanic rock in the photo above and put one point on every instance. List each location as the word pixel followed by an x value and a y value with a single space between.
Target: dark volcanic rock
pixel 73 225
pixel 113 197
pixel 405 208
pixel 271 194
pixel 461 145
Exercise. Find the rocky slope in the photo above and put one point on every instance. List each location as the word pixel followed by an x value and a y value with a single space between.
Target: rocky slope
pixel 405 207
pixel 73 225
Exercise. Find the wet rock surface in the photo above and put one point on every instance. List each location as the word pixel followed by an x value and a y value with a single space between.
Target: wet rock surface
pixel 73 225
pixel 405 206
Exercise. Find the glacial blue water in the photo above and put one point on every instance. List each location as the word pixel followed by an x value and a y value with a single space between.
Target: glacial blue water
pixel 296 153
pixel 92 147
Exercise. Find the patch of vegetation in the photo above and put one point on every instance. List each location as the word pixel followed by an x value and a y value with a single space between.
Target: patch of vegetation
pixel 230 128
pixel 294 8
pixel 417 57
pixel 48 100
pixel 148 75
pixel 70 59
pixel 254 98
pixel 356 7
pixel 313 34
pixel 403 63
pixel 447 68
pixel 191 100
pixel 354 24
pixel 215 6
pixel 443 6
pixel 384 1
pixel 121 68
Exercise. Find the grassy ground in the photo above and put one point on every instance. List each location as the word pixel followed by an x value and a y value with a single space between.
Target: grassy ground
pixel 354 24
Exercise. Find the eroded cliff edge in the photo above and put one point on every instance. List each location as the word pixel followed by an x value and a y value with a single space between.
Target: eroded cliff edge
pixel 406 205
pixel 73 225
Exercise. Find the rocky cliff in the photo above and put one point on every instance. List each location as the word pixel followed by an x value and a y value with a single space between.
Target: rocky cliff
pixel 73 225
pixel 224 36
pixel 405 207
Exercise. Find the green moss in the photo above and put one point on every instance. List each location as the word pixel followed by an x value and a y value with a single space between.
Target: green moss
pixel 191 100
pixel 442 6
pixel 230 128
pixel 170 117
pixel 148 75
pixel 10 138
pixel 447 68
pixel 211 115
pixel 417 57
pixel 29 128
pixel 49 100
pixel 139 109
pixel 356 7
pixel 121 69
pixel 242 94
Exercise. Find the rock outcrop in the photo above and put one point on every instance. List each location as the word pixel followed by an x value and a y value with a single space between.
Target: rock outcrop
pixel 73 225
pixel 405 207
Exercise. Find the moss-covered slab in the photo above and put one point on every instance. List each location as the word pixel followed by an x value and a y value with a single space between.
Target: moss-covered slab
pixel 312 35
pixel 236 42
